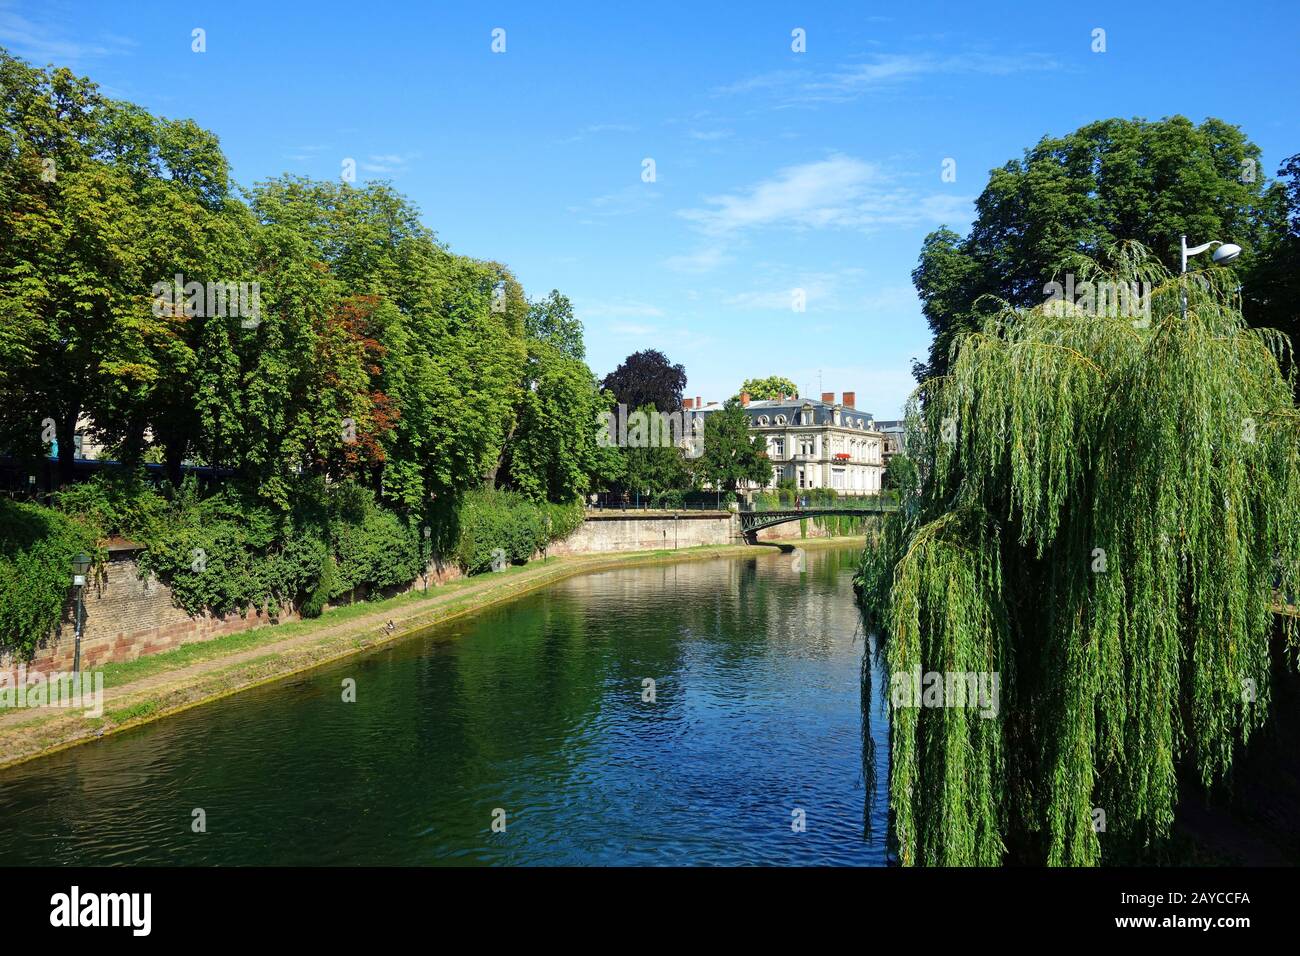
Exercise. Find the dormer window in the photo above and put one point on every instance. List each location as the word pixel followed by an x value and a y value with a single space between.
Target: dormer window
pixel 780 419
pixel 762 419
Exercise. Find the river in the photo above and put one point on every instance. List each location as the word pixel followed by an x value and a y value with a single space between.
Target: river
pixel 521 734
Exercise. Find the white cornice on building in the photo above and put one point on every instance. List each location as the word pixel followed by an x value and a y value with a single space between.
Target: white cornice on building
pixel 814 443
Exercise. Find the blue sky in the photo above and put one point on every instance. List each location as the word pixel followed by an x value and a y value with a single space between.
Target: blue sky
pixel 774 170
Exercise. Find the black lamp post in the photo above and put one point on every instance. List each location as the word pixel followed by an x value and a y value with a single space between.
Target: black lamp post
pixel 80 567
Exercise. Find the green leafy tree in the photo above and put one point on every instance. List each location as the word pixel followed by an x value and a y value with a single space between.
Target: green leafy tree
pixel 656 472
pixel 552 453
pixel 1269 278
pixel 772 387
pixel 656 469
pixel 37 546
pixel 376 382
pixel 732 454
pixel 452 330
pixel 1078 194
pixel 551 320
pixel 900 474
pixel 609 466
pixel 100 201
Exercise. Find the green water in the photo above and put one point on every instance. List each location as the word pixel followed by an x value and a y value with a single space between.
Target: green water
pixel 534 708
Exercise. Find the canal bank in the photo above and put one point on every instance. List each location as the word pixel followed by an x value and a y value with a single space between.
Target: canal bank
pixel 149 688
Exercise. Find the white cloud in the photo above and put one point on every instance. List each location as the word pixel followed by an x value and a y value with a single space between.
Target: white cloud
pixel 704 259
pixel 882 70
pixel 813 194
pixel 630 199
pixel 43 43
pixel 625 308
pixel 882 390
pixel 776 300
pixel 709 135
pixel 304 154
pixel 895 298
pixel 387 162
pixel 632 330
pixel 595 129
pixel 778 79
pixel 615 320
pixel 838 192
pixel 818 294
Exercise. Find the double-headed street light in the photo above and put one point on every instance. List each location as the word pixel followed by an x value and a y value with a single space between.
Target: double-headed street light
pixel 80 568
pixel 1225 253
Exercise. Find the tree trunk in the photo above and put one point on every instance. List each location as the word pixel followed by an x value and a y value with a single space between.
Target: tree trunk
pixel 133 443
pixel 503 459
pixel 173 458
pixel 65 431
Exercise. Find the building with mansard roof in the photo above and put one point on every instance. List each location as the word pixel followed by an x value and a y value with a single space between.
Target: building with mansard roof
pixel 814 444
pixel 895 433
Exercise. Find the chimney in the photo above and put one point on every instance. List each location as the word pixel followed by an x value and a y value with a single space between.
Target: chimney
pixel 699 402
pixel 687 404
pixel 828 398
pixel 744 398
pixel 849 399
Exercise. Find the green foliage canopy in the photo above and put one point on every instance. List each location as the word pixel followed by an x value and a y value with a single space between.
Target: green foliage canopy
pixel 731 453
pixel 772 387
pixel 1112 180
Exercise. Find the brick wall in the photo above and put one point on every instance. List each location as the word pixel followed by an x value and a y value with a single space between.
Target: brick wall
pixel 128 616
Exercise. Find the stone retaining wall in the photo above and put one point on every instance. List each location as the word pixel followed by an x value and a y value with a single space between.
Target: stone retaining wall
pixel 602 533
pixel 791 530
pixel 129 614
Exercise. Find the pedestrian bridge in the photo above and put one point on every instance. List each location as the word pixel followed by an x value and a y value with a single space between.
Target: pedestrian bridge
pixel 754 521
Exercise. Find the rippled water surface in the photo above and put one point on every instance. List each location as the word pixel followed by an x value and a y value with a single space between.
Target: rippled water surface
pixel 534 707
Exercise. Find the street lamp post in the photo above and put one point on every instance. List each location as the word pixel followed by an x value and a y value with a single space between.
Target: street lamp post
pixel 80 567
pixel 1226 252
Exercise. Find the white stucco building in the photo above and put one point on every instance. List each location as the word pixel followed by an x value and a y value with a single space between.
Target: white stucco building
pixel 895 434
pixel 815 444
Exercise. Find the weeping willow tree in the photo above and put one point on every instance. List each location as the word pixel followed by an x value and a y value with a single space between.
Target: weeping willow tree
pixel 1107 513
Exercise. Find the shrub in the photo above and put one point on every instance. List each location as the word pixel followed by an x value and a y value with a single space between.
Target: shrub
pixel 675 498
pixel 37 546
pixel 492 520
pixel 325 584
pixel 565 518
pixel 117 503
pixel 227 553
pixel 376 550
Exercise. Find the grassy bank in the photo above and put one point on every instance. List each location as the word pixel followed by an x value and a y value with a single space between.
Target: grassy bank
pixel 146 689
